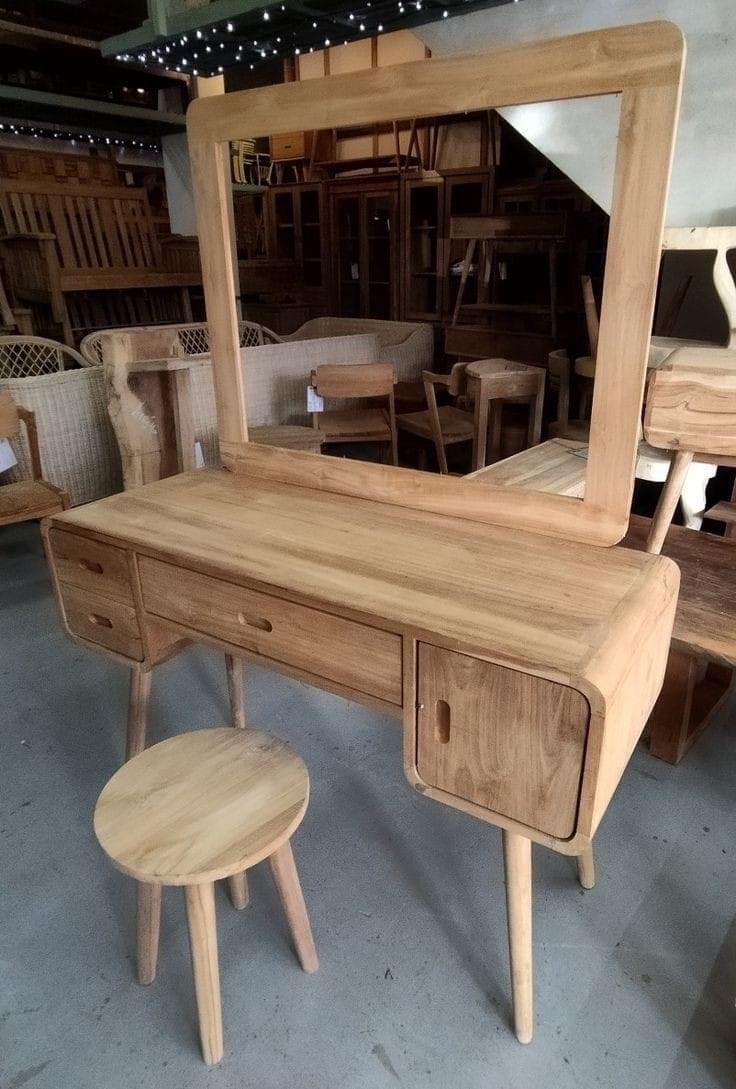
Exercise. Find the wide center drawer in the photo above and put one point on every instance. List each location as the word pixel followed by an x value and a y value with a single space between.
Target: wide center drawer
pixel 344 651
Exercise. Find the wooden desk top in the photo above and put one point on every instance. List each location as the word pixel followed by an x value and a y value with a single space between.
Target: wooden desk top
pixel 553 466
pixel 518 597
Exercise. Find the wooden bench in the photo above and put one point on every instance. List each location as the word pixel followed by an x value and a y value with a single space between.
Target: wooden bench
pixel 90 255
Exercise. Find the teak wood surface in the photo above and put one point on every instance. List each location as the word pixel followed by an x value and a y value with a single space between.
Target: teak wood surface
pixel 643 63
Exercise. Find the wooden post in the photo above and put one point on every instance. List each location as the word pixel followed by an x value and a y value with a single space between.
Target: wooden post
pixel 517 857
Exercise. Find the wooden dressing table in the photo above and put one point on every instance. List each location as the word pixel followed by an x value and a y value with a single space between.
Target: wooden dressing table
pixel 522 656
pixel 508 657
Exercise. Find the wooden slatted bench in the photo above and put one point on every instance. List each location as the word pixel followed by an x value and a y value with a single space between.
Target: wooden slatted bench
pixel 64 247
pixel 703 654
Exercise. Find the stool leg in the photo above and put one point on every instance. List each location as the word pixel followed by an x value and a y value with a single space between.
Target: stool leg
pixel 586 868
pixel 200 904
pixel 138 698
pixel 517 857
pixel 286 880
pixel 148 927
pixel 235 690
pixel 238 883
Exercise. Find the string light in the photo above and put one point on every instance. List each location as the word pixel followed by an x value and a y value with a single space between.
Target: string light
pixel 14 128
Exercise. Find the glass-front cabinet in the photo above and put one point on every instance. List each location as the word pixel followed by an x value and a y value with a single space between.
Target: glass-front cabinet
pixel 422 211
pixel 299 232
pixel 365 250
pixel 467 193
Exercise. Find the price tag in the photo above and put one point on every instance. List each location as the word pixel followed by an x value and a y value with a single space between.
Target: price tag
pixel 315 403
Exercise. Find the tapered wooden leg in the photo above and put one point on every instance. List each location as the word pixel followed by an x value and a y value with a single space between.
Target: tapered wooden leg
pixel 235 690
pixel 148 927
pixel 200 903
pixel 238 889
pixel 286 878
pixel 138 699
pixel 238 884
pixel 517 857
pixel 586 868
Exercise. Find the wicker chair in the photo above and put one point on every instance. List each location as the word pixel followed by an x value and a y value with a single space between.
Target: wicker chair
pixel 29 357
pixel 193 337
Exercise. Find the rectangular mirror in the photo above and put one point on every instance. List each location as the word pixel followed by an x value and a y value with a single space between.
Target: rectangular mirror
pixel 455 254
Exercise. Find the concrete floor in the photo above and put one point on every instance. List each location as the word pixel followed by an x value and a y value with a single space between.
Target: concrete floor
pixel 635 981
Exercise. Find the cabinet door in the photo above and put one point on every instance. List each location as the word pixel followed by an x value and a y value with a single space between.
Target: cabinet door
pixel 423 221
pixel 465 195
pixel 284 223
pixel 505 740
pixel 348 217
pixel 380 253
pixel 311 241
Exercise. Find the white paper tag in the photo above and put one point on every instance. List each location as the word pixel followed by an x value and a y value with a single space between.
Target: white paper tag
pixel 198 456
pixel 315 403
pixel 7 457
pixel 353 272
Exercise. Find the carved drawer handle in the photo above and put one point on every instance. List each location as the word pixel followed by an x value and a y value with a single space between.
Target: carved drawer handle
pixel 255 622
pixel 91 565
pixel 442 721
pixel 100 621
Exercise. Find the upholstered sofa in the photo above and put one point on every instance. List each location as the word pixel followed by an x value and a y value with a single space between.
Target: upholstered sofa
pixel 408 345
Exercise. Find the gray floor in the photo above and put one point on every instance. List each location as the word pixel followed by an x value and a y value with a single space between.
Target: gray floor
pixel 635 981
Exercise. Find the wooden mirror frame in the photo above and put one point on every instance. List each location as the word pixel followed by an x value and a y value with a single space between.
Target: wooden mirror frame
pixel 644 64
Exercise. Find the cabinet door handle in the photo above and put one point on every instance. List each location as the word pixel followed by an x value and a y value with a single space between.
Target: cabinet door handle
pixel 100 621
pixel 91 565
pixel 258 622
pixel 442 721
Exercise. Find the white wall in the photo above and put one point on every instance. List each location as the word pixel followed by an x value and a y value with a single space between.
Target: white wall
pixel 579 136
pixel 179 191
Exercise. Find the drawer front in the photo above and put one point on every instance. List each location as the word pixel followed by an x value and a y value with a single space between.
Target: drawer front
pixel 506 740
pixel 101 620
pixel 343 651
pixel 90 565
pixel 289 145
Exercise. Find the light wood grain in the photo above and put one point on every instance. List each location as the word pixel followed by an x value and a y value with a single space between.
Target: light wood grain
pixel 586 868
pixel 139 695
pixel 644 63
pixel 202 925
pixel 517 857
pixel 355 655
pixel 289 888
pixel 691 402
pixel 552 466
pixel 201 806
pixel 505 740
pixel 91 565
pixel 148 930
pixel 102 620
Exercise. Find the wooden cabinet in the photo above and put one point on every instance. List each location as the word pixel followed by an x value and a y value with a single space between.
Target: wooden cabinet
pixel 508 741
pixel 299 233
pixel 365 249
pixel 467 193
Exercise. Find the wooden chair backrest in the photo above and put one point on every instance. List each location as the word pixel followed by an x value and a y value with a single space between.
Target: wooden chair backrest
pixel 137 345
pixel 350 380
pixel 94 227
pixel 558 372
pixel 9 417
pixel 691 403
pixel 721 240
pixel 591 314
pixel 458 381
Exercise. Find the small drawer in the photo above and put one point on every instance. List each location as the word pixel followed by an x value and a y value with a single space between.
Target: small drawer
pixel 502 739
pixel 289 145
pixel 351 654
pixel 90 565
pixel 102 621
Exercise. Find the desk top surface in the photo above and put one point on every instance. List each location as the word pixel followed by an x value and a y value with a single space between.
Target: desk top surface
pixel 513 595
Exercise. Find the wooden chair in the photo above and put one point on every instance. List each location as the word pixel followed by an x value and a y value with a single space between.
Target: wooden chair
pixel 361 381
pixel 443 425
pixel 26 500
pixel 558 372
pixel 28 357
pixel 491 383
pixel 194 809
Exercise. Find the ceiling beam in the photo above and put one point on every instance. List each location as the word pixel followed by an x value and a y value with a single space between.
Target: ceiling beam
pixel 164 23
pixel 159 121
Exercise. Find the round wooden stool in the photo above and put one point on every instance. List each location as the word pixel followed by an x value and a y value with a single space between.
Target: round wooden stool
pixel 194 809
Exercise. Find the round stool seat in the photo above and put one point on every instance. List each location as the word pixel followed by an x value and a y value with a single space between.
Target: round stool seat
pixel 482 368
pixel 202 806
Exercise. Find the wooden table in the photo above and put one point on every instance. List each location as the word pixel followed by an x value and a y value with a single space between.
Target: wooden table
pixel 507 657
pixel 556 466
pixel 492 381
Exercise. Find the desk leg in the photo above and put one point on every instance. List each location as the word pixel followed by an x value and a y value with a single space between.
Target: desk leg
pixel 517 857
pixel 138 698
pixel 586 868
pixel 238 883
pixel 480 420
